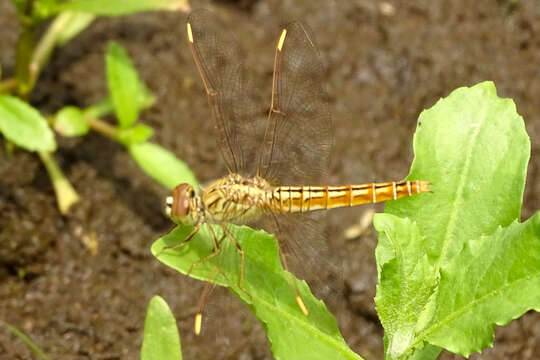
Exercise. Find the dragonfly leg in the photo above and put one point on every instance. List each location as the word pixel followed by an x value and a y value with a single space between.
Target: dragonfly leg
pixel 217 250
pixel 297 296
pixel 241 252
pixel 283 258
pixel 184 242
pixel 201 305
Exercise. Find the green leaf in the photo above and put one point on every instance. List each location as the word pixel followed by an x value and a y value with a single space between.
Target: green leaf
pixel 121 7
pixel 473 148
pixel 161 339
pixel 106 107
pixel 24 125
pixel 134 134
pixel 145 98
pixel 73 23
pixel 69 121
pixel 161 164
pixel 124 84
pixel 43 8
pixel 406 283
pixel 269 292
pixel 499 280
pixel 101 109
pixel 428 352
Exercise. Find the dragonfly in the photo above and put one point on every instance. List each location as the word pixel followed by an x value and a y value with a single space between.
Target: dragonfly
pixel 274 170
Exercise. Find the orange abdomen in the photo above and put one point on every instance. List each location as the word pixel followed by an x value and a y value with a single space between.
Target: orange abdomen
pixel 291 199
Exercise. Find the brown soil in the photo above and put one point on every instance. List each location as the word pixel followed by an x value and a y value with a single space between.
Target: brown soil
pixel 383 69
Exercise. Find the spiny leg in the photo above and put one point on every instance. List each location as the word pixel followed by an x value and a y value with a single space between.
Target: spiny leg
pixel 184 242
pixel 241 252
pixel 216 251
pixel 297 296
pixel 201 305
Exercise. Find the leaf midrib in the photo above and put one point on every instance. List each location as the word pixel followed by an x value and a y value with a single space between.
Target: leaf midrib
pixel 306 326
pixel 459 191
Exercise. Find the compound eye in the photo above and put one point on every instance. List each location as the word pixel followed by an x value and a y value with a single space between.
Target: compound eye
pixel 181 196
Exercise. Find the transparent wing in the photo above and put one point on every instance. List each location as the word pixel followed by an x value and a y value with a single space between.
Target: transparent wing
pixel 298 138
pixel 218 59
pixel 302 242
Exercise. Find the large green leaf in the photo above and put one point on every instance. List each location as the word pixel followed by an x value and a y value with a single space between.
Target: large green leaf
pixel 121 7
pixel 24 125
pixel 161 339
pixel 499 280
pixel 267 289
pixel 473 148
pixel 161 164
pixel 124 84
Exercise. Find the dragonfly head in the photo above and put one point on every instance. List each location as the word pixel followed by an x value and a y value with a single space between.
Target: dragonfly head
pixel 180 206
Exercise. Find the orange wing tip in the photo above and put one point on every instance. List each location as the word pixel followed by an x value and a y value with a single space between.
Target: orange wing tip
pixel 281 39
pixel 198 322
pixel 189 33
pixel 301 305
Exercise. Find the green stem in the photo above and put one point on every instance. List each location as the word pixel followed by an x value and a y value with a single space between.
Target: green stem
pixel 26 339
pixel 8 84
pixel 25 49
pixel 65 194
pixel 46 45
pixel 101 127
pixel 101 109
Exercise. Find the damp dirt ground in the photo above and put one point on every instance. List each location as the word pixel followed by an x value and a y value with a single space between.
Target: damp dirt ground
pixel 384 65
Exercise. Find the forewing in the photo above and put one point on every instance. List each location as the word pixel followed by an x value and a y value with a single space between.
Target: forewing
pixel 298 138
pixel 218 59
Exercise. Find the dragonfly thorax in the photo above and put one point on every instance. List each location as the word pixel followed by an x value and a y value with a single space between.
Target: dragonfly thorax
pixel 236 199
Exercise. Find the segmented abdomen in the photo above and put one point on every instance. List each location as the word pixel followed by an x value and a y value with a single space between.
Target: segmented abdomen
pixel 291 199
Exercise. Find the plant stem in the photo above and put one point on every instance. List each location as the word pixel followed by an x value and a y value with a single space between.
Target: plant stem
pixel 101 127
pixel 8 85
pixel 46 45
pixel 102 108
pixel 25 49
pixel 65 194
pixel 26 339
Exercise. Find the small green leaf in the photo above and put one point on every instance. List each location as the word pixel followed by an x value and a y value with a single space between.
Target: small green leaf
pixel 161 339
pixel 101 109
pixel 44 9
pixel 161 164
pixel 24 125
pixel 69 121
pixel 124 84
pixel 134 134
pixel 106 107
pixel 75 22
pixel 121 7
pixel 145 98
pixel 266 290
